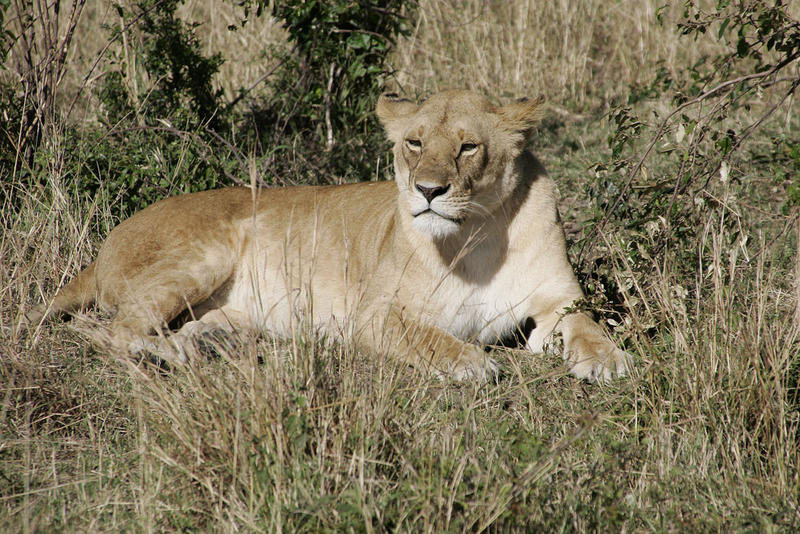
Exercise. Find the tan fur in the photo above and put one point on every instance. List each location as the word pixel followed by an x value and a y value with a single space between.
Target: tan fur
pixel 425 279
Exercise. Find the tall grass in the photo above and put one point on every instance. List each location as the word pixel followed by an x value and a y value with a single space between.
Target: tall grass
pixel 302 434
pixel 577 54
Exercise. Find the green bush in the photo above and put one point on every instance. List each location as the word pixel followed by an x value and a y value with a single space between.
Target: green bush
pixel 178 85
pixel 668 174
pixel 705 133
pixel 162 130
pixel 325 91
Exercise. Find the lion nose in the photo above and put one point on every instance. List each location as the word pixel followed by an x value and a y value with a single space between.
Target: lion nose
pixel 432 192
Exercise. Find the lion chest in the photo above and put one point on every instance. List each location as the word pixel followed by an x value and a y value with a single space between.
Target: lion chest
pixel 481 312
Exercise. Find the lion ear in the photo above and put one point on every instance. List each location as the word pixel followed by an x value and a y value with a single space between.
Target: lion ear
pixel 391 109
pixel 521 116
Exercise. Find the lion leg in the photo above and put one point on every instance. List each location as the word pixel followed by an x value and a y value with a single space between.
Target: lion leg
pixel 225 319
pixel 157 299
pixel 133 332
pixel 147 296
pixel 135 329
pixel 428 347
pixel 590 354
pixel 211 331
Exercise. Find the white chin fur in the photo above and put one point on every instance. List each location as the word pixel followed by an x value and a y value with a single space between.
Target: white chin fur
pixel 434 225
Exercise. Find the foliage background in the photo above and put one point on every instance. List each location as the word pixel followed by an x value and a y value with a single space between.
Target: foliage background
pixel 673 135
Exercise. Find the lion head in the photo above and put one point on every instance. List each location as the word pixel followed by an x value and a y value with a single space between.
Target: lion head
pixel 454 155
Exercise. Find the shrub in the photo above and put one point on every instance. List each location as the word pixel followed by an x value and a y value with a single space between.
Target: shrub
pixel 323 95
pixel 705 133
pixel 177 85
pixel 163 127
pixel 690 225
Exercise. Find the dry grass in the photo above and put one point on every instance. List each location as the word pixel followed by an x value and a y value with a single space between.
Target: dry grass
pixel 301 435
pixel 252 43
pixel 577 54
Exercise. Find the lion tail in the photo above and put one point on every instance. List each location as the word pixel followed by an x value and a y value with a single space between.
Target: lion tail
pixel 77 295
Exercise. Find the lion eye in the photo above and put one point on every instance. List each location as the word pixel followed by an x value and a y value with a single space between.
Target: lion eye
pixel 414 144
pixel 468 149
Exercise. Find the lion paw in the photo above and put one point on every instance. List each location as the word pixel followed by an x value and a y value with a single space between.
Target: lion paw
pixel 159 351
pixel 475 365
pixel 597 361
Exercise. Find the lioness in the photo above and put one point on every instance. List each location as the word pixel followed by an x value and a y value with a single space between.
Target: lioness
pixel 463 247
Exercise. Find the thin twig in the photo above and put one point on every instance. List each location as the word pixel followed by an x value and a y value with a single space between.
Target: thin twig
pixel 260 79
pixel 328 125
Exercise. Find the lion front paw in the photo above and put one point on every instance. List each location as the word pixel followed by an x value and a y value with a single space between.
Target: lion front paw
pixel 472 365
pixel 597 360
